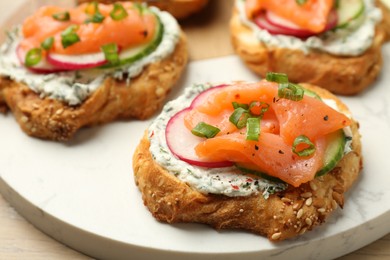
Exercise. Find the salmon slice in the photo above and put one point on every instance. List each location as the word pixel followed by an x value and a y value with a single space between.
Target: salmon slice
pixel 311 15
pixel 270 154
pixel 281 124
pixel 241 93
pixel 310 117
pixel 135 29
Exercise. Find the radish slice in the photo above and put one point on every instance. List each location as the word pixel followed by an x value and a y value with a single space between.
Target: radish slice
pixel 199 99
pixel 182 142
pixel 42 67
pixel 76 62
pixel 275 24
pixel 274 28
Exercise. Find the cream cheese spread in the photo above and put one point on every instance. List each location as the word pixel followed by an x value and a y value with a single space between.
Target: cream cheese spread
pixel 349 41
pixel 75 86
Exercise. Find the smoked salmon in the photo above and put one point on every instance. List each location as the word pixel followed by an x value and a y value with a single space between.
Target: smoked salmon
pixel 51 21
pixel 311 15
pixel 282 121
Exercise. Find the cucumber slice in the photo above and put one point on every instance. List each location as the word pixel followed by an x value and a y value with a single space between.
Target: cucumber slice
pixel 334 152
pixel 348 12
pixel 311 94
pixel 131 55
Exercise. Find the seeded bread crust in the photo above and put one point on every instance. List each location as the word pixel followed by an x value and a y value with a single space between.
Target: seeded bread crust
pixel 281 216
pixel 180 9
pixel 338 74
pixel 52 119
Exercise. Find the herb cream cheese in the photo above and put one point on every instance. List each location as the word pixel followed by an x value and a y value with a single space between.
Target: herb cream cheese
pixel 74 87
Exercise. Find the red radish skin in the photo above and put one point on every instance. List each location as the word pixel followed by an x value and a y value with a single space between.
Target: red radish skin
pixel 278 25
pixel 182 142
pixel 76 62
pixel 43 67
pixel 200 98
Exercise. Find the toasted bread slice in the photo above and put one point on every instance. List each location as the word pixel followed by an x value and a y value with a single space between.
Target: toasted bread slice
pixel 52 119
pixel 283 215
pixel 338 74
pixel 178 8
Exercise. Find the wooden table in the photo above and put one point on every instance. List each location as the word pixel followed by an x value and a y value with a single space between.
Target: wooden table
pixel 20 240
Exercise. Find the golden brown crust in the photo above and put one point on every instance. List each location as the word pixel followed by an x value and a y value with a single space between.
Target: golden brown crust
pixel 52 119
pixel 339 74
pixel 178 8
pixel 386 18
pixel 281 216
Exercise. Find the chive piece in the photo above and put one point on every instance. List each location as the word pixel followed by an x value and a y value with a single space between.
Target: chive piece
pixel 260 104
pixel 111 53
pixel 237 105
pixel 276 77
pixel 63 16
pixel 203 129
pixel 96 18
pixel 69 36
pixel 33 57
pixel 239 117
pixel 47 43
pixel 302 139
pixel 93 9
pixel 253 129
pixel 119 12
pixel 301 2
pixel 290 91
pixel 139 7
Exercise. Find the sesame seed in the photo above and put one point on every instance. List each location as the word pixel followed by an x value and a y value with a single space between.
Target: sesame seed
pixel 309 201
pixel 241 210
pixel 303 231
pixel 24 119
pixel 313 186
pixel 59 111
pixel 308 221
pixel 334 204
pixel 300 213
pixel 169 204
pixel 321 210
pixel 297 205
pixel 306 194
pixel 274 217
pixel 276 236
pixel 33 129
pixel 286 200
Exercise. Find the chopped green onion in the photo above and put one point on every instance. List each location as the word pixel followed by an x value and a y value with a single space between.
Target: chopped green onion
pixel 290 91
pixel 47 43
pixel 92 7
pixel 262 105
pixel 69 36
pixel 276 77
pixel 33 57
pixel 63 16
pixel 139 7
pixel 97 17
pixel 205 130
pixel 239 117
pixel 253 129
pixel 111 53
pixel 300 2
pixel 237 105
pixel 119 12
pixel 302 139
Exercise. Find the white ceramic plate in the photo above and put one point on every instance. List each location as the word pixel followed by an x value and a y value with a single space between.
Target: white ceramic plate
pixel 82 193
